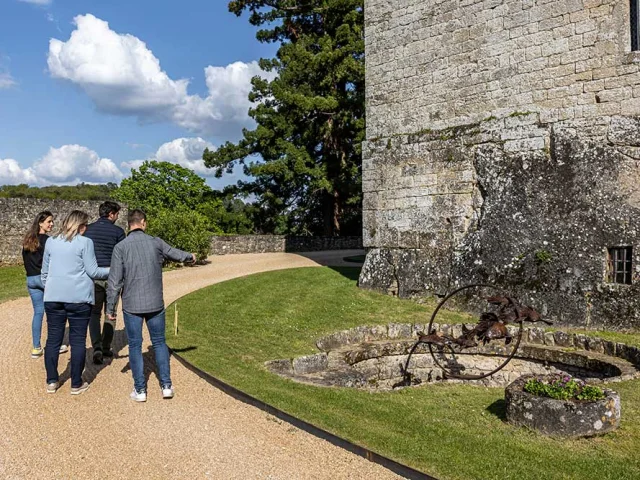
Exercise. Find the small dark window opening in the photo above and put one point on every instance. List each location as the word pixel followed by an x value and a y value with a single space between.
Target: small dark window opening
pixel 620 263
pixel 635 28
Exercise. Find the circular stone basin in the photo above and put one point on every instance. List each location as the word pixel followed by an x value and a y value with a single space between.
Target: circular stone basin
pixel 561 418
pixel 373 358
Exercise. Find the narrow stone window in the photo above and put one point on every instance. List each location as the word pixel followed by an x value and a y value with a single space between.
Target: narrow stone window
pixel 619 265
pixel 635 28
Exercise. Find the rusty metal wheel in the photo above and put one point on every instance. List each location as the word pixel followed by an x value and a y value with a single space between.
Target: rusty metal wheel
pixel 447 370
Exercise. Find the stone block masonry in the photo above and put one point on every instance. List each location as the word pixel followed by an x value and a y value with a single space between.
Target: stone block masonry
pixel 443 63
pixel 17 214
pixel 502 147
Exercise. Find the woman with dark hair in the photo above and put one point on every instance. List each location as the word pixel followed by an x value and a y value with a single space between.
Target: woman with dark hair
pixel 32 252
pixel 69 267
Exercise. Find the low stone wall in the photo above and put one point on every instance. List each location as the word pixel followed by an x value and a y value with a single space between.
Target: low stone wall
pixel 224 245
pixel 372 357
pixel 16 215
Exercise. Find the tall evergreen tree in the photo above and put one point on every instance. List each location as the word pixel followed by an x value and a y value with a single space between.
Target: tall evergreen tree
pixel 310 118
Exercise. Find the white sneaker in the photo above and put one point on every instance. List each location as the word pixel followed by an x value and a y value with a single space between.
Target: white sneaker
pixel 80 390
pixel 138 396
pixel 64 349
pixel 53 387
pixel 167 392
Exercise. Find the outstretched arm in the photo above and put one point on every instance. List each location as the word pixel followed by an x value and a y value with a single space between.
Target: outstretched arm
pixel 174 254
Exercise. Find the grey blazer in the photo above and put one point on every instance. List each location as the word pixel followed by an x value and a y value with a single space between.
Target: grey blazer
pixel 136 271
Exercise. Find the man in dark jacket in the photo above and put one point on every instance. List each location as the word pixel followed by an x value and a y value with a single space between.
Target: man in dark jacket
pixel 136 271
pixel 105 236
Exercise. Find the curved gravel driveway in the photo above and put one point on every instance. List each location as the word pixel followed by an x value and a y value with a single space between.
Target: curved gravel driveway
pixel 201 433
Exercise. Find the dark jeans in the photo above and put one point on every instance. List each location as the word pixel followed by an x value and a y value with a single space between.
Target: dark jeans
pixel 155 325
pixel 100 341
pixel 57 315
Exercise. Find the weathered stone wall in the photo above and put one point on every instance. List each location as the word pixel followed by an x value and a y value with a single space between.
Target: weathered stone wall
pixel 17 214
pixel 503 148
pixel 224 245
pixel 438 63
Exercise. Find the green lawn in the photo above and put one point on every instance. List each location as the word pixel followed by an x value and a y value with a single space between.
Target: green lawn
pixel 13 283
pixel 449 431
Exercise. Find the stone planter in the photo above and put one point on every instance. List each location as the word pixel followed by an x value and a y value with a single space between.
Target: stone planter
pixel 561 418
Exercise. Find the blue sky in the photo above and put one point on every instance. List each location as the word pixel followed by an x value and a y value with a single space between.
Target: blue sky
pixel 110 89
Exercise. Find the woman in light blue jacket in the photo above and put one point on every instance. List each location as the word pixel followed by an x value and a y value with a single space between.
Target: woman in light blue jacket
pixel 69 267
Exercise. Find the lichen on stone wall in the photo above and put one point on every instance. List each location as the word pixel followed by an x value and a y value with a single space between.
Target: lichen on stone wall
pixel 536 220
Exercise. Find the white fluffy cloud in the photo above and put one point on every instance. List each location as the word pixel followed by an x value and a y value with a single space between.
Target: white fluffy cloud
pixel 122 76
pixel 186 152
pixel 67 165
pixel 74 164
pixel 11 173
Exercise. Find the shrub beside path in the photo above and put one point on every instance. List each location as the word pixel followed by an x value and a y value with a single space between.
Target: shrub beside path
pixel 201 433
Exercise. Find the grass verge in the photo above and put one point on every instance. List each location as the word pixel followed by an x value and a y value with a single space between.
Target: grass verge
pixel 453 432
pixel 13 283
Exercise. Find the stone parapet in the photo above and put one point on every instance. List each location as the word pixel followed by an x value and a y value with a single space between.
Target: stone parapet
pixel 17 215
pixel 228 244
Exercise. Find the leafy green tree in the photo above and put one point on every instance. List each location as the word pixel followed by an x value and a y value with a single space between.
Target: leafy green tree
pixel 157 186
pixel 310 118
pixel 232 215
pixel 185 229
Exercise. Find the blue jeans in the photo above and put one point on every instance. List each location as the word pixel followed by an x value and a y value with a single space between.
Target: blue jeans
pixel 155 325
pixel 57 314
pixel 36 292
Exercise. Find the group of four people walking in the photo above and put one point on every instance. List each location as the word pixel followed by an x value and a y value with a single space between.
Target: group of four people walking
pixel 82 272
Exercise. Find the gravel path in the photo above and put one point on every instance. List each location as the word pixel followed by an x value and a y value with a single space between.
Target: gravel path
pixel 201 433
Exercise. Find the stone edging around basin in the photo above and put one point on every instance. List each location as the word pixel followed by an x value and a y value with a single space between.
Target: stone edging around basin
pixel 334 366
pixel 561 418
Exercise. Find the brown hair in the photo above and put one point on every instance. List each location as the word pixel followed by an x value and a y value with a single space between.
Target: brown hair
pixel 30 242
pixel 136 217
pixel 71 225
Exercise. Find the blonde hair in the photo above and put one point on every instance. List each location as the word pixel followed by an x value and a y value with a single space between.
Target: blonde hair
pixel 71 225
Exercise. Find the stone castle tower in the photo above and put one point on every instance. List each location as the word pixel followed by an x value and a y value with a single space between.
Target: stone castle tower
pixel 503 146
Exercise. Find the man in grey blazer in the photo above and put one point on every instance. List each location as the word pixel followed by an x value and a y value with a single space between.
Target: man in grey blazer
pixel 136 271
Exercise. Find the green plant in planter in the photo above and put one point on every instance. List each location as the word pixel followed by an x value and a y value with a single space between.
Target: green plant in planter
pixel 563 387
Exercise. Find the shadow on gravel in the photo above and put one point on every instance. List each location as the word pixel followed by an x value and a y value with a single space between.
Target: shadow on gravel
pixel 331 258
pixel 91 370
pixel 149 360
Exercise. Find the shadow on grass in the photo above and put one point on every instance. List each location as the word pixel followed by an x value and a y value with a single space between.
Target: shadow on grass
pixel 185 349
pixel 351 273
pixel 499 409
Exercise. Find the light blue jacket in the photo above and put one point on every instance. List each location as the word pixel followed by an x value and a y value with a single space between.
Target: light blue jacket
pixel 68 270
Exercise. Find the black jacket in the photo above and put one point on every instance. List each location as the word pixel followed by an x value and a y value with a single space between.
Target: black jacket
pixel 33 260
pixel 105 236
